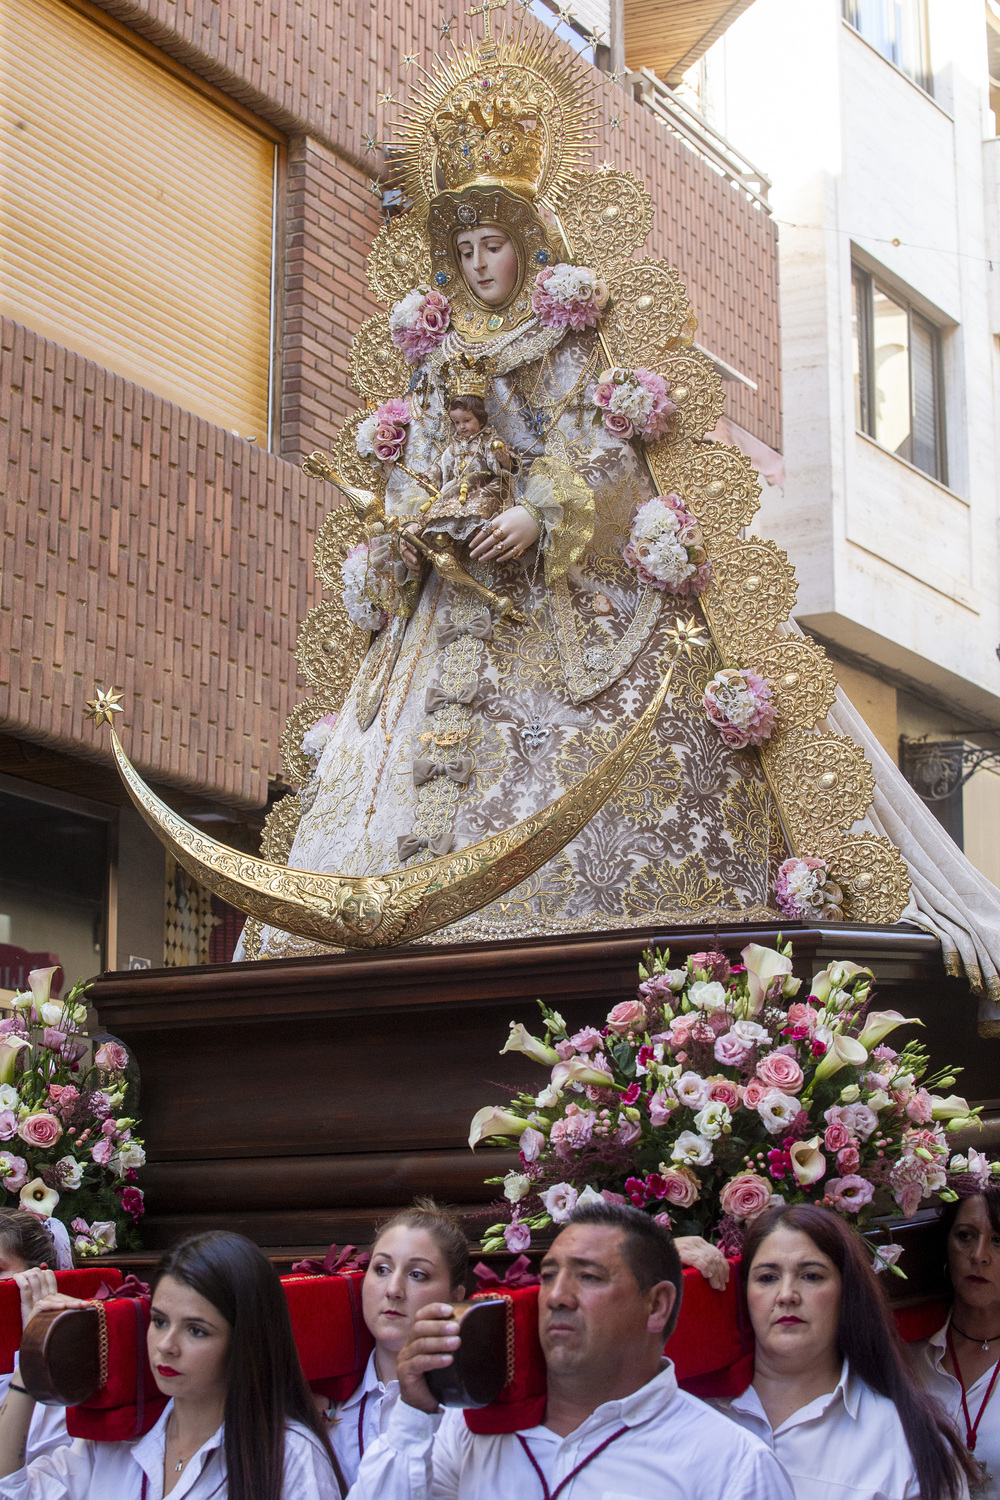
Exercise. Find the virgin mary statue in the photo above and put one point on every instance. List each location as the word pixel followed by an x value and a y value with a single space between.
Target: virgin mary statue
pixel 536 527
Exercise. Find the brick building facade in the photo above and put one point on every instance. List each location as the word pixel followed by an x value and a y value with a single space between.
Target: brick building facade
pixel 143 546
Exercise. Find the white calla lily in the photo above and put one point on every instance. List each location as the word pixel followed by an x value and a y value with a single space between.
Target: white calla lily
pixel 808 1161
pixel 842 1052
pixel 491 1120
pixel 521 1040
pixel 764 966
pixel 878 1025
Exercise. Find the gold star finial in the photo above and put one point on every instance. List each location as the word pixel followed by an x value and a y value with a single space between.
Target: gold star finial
pixel 597 37
pixel 371 144
pixel 104 705
pixel 616 76
pixel 446 26
pixel 409 58
pixel 686 636
pixel 615 122
pixel 375 187
pixel 387 98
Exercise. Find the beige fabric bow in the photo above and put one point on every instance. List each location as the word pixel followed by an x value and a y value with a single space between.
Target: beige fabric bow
pixel 479 626
pixel 409 844
pixel 458 770
pixel 437 696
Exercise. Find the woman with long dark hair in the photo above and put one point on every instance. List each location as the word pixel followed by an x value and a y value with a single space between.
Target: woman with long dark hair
pixel 961 1362
pixel 832 1393
pixel 420 1255
pixel 240 1423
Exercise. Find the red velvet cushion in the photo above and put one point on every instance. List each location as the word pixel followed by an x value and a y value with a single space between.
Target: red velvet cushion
pixel 330 1332
pixel 74 1283
pixel 130 1403
pixel 920 1321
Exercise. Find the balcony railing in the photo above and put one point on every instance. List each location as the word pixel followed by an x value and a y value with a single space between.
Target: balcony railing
pixel 712 147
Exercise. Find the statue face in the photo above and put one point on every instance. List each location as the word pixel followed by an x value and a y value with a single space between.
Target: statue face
pixel 488 259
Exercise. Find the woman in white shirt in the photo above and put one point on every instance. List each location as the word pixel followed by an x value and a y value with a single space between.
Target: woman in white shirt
pixel 961 1362
pixel 832 1394
pixel 421 1255
pixel 240 1423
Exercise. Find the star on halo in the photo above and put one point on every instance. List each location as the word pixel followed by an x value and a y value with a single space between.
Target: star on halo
pixel 409 58
pixel 375 187
pixel 615 122
pixel 597 37
pixel 686 636
pixel 371 144
pixel 387 98
pixel 616 76
pixel 606 166
pixel 445 27
pixel 104 705
pixel 565 15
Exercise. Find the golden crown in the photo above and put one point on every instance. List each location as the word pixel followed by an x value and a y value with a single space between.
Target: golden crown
pixel 508 111
pixel 468 375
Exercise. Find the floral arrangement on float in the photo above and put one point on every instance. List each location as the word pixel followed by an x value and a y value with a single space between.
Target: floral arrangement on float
pixel 666 549
pixel 568 296
pixel 740 705
pixel 419 322
pixel 381 437
pixel 67 1150
pixel 805 891
pixel 715 1093
pixel 362 590
pixel 633 401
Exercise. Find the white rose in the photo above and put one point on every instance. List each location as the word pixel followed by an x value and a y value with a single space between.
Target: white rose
pixel 777 1110
pixel 714 1120
pixel 693 1149
pixel 131 1155
pixel 515 1186
pixel 71 1172
pixel 708 994
pixel 560 1202
pixel 51 1013
pixel 750 1033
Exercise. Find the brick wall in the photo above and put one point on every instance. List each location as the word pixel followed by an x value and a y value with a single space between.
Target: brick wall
pixel 143 547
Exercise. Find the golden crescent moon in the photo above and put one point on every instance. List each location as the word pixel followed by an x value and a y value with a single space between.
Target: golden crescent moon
pixel 370 911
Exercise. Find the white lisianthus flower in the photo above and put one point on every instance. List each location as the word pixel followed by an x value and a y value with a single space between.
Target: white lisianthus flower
pixel 693 1149
pixel 9 1097
pixel 560 1201
pixel 51 1013
pixel 878 1100
pixel 714 1120
pixel 777 1110
pixel 130 1156
pixel 693 1090
pixel 515 1186
pixel 708 995
pixel 70 1171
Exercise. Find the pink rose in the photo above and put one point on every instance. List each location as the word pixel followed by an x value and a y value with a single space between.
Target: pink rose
pixel 919 1108
pixel 754 1092
pixel 603 393
pixel 531 1143
pixel 837 1136
pixel 664 1221
pixel 517 1237
pixel 745 1196
pixel 850 1193
pixel 730 1051
pixel 17 1176
pixel 661 1106
pixel 779 1071
pixel 618 423
pixel 42 1130
pixel 8 1125
pixel 848 1160
pixel 725 1092
pixel 681 1028
pixel 800 1014
pixel 680 1187
pixel 434 320
pixel 627 1016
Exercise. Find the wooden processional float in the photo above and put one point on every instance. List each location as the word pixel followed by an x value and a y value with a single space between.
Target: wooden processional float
pixel 92 1360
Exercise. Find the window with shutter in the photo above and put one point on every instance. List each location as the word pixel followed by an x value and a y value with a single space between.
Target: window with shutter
pixel 136 214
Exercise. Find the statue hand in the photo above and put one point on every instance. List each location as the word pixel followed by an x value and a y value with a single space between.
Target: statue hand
pixel 409 554
pixel 380 550
pixel 505 537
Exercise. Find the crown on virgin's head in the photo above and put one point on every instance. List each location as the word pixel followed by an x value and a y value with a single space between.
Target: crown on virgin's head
pixel 499 136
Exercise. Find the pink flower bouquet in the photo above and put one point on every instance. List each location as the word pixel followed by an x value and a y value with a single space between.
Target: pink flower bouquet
pixel 569 297
pixel 665 547
pixel 717 1092
pixel 419 323
pixel 382 436
pixel 740 705
pixel 72 1150
pixel 633 401
pixel 803 889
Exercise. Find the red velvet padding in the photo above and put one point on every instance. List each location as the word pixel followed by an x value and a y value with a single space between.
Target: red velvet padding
pixel 330 1332
pixel 921 1320
pixel 74 1283
pixel 130 1403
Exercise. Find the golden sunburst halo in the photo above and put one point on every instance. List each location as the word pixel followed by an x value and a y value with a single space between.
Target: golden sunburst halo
pixel 104 705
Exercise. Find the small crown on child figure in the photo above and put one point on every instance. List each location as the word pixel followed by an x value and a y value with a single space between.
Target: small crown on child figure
pixel 468 375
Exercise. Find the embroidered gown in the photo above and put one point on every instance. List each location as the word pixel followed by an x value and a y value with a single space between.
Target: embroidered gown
pixel 478 721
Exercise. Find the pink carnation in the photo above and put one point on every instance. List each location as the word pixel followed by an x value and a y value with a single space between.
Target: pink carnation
pixel 745 1196
pixel 779 1071
pixel 850 1194
pixel 919 1108
pixel 573 1131
pixel 586 1040
pixel 663 408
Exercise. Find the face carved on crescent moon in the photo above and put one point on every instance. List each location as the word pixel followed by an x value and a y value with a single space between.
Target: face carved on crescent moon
pixel 489 262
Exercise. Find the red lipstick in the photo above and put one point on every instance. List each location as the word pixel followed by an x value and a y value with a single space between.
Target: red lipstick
pixel 167 1371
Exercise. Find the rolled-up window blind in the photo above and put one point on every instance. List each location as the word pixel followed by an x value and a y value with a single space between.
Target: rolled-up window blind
pixel 136 215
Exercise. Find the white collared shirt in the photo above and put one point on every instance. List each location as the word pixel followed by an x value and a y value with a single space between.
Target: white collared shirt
pixel 846 1445
pixel 929 1369
pixel 674 1448
pixel 114 1471
pixel 358 1421
pixel 48 1424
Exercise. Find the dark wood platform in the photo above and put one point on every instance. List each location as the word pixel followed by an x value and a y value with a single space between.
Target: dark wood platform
pixel 300 1100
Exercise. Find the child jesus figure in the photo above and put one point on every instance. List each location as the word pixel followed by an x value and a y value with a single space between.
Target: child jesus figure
pixel 471 476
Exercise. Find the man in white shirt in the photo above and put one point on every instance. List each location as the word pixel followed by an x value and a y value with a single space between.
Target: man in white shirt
pixel 616 1426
